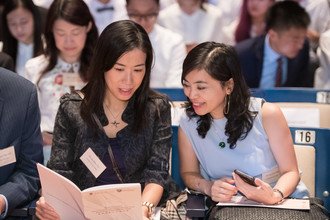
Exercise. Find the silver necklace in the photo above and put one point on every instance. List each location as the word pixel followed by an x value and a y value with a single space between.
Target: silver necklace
pixel 222 143
pixel 114 122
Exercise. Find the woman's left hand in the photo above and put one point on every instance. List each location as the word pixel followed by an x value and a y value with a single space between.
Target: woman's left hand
pixel 44 211
pixel 262 193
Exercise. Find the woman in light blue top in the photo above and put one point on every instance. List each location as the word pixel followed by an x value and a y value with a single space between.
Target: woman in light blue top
pixel 225 129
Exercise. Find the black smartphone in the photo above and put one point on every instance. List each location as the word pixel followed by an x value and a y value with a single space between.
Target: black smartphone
pixel 245 177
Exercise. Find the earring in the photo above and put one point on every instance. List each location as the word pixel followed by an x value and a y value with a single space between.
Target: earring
pixel 227 106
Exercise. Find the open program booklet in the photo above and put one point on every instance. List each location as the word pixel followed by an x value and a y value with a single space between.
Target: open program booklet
pixel 114 201
pixel 300 204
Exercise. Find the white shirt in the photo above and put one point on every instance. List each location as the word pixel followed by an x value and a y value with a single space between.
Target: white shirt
pixel 50 87
pixel 169 53
pixel 165 3
pixel 319 12
pixel 227 35
pixel 24 53
pixel 213 2
pixel 322 74
pixel 104 17
pixel 43 3
pixel 201 26
pixel 230 10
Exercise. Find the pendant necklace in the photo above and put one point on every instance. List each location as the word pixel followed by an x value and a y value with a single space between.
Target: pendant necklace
pixel 114 122
pixel 221 144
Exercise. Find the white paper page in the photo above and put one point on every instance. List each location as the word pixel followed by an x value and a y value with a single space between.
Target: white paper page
pixel 157 213
pixel 299 204
pixel 62 194
pixel 302 117
pixel 115 201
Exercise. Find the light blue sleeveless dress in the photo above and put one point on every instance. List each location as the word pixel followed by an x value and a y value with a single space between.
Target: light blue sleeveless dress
pixel 252 155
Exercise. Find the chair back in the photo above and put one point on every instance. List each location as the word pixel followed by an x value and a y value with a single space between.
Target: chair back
pixel 306 164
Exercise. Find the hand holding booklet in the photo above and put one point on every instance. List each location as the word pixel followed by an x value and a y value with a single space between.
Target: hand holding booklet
pixel 299 204
pixel 113 201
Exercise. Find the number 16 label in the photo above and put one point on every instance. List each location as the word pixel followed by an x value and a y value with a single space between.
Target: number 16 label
pixel 304 137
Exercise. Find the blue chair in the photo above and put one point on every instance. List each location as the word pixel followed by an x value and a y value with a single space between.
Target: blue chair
pixel 319 138
pixel 293 95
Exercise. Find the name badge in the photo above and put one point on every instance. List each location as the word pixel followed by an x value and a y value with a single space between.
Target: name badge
pixel 271 176
pixel 7 156
pixel 92 162
pixel 72 79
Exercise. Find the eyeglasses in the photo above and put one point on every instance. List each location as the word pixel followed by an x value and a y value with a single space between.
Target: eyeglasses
pixel 146 17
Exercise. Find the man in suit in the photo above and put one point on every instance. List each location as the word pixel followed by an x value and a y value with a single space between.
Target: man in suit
pixel 281 57
pixel 20 142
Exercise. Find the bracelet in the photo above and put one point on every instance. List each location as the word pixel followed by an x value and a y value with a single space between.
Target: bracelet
pixel 150 207
pixel 282 195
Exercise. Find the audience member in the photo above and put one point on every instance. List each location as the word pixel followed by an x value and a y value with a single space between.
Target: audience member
pixel 281 58
pixel 106 11
pixel 22 30
pixel 319 12
pixel 70 38
pixel 20 142
pixel 6 61
pixel 252 22
pixel 322 74
pixel 195 20
pixel 116 112
pixel 225 129
pixel 168 46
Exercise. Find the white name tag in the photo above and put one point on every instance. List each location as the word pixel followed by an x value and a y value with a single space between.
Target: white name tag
pixel 92 162
pixel 72 79
pixel 7 156
pixel 271 176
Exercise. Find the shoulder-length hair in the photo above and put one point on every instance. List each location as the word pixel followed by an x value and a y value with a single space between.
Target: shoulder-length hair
pixel 117 39
pixel 10 43
pixel 75 12
pixel 221 63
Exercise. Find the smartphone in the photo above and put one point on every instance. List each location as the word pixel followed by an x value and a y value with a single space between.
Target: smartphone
pixel 245 177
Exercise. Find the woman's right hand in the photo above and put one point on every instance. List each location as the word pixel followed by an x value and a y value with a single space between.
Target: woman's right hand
pixel 44 211
pixel 223 190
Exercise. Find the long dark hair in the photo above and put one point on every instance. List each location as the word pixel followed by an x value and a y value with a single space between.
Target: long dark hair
pixel 243 28
pixel 244 25
pixel 221 63
pixel 75 12
pixel 9 42
pixel 116 39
